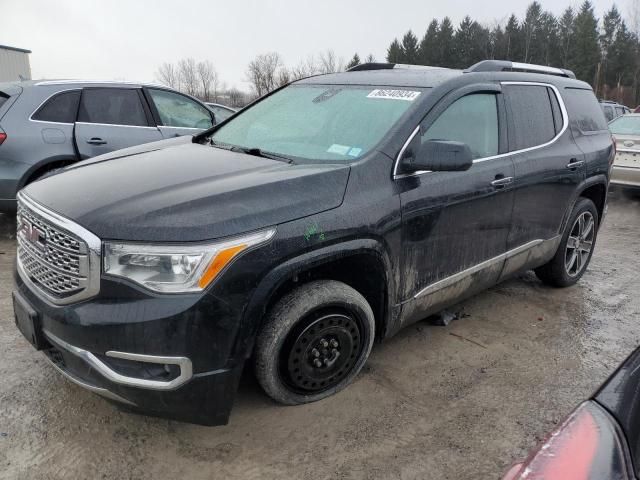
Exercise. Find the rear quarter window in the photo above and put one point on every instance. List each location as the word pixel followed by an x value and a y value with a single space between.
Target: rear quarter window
pixel 61 108
pixel 3 98
pixel 584 111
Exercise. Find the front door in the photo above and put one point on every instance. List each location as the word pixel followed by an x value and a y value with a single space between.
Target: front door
pixel 455 224
pixel 113 118
pixel 178 114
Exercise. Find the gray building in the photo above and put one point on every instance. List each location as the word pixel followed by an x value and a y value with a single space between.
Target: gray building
pixel 14 64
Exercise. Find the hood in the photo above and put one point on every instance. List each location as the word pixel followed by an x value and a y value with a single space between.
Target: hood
pixel 188 192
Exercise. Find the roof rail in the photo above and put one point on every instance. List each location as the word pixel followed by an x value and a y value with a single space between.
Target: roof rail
pixel 507 66
pixel 389 66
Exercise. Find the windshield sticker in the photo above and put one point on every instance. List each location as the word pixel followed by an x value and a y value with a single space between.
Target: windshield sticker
pixel 326 95
pixel 339 149
pixel 354 152
pixel 407 95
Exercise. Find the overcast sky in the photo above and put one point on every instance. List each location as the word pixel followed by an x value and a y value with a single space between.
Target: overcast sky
pixel 128 40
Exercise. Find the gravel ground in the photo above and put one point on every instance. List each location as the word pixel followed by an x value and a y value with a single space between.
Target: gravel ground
pixel 453 402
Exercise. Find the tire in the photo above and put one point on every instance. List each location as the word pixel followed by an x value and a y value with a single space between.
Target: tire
pixel 565 269
pixel 322 321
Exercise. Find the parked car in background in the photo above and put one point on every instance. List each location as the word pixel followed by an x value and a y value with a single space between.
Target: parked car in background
pixel 613 109
pixel 222 112
pixel 47 125
pixel 599 440
pixel 331 212
pixel 626 166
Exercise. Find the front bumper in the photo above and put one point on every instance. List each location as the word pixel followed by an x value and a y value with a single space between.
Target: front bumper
pixel 155 356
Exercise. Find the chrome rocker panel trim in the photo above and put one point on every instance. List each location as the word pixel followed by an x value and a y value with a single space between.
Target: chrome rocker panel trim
pixel 186 368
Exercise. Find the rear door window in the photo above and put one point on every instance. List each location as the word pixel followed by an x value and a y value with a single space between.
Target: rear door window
pixel 472 119
pixel 531 116
pixel 584 111
pixel 61 108
pixel 3 98
pixel 112 106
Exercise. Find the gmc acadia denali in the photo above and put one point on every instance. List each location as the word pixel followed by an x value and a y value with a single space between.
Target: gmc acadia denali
pixel 329 213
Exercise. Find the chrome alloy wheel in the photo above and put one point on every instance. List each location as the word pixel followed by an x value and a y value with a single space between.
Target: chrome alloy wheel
pixel 579 244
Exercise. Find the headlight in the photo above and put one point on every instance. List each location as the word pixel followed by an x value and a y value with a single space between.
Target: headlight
pixel 176 268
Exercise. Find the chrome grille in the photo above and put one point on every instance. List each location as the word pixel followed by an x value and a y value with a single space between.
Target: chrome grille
pixel 54 259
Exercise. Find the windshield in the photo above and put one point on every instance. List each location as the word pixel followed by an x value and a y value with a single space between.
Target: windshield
pixel 626 125
pixel 315 122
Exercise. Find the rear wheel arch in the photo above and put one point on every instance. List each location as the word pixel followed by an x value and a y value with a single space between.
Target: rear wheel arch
pixel 43 167
pixel 595 189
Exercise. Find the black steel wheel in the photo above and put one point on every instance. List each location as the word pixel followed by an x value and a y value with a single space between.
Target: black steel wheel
pixel 314 342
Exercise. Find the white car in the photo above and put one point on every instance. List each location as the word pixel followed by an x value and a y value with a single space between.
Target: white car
pixel 221 112
pixel 626 166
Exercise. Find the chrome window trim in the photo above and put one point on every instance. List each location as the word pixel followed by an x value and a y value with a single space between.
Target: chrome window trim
pixel 186 368
pixel 31 119
pixel 94 252
pixel 115 125
pixel 565 125
pixel 183 128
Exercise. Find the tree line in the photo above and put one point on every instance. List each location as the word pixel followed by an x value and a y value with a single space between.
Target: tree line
pixel 606 53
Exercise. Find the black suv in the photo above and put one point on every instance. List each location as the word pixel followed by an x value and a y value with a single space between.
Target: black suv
pixel 329 213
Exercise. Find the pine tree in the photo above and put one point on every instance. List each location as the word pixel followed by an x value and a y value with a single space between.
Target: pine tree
pixel 428 49
pixel 514 40
pixel 446 44
pixel 566 36
pixel 530 28
pixel 354 62
pixel 586 54
pixel 410 48
pixel 611 24
pixel 394 52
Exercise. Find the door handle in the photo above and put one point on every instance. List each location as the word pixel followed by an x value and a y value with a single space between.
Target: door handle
pixel 501 181
pixel 574 163
pixel 96 141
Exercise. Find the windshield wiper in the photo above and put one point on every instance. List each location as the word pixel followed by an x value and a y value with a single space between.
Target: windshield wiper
pixel 262 153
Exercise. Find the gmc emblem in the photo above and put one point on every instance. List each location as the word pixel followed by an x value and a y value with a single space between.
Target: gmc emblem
pixel 31 233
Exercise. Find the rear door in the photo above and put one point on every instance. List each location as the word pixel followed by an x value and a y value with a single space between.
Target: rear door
pixel 177 114
pixel 113 118
pixel 548 164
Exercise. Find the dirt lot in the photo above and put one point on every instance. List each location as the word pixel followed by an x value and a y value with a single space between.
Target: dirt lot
pixel 451 402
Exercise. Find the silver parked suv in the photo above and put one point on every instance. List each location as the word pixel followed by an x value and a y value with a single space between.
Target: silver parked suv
pixel 46 125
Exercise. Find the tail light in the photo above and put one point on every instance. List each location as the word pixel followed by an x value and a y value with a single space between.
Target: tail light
pixel 587 446
pixel 3 137
pixel 615 150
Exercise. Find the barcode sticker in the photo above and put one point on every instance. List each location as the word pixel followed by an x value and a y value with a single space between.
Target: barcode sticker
pixel 408 95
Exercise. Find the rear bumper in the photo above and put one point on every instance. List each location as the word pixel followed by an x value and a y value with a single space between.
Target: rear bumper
pixel 625 176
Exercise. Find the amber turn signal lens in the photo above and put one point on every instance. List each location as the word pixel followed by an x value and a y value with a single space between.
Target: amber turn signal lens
pixel 221 260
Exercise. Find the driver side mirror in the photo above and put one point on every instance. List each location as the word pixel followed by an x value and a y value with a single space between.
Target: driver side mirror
pixel 438 156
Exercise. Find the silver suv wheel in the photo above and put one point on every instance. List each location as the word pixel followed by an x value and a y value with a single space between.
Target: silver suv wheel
pixel 579 244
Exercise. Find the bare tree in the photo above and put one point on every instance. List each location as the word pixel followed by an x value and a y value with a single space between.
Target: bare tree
pixel 305 68
pixel 208 80
pixel 284 77
pixel 236 97
pixel 370 59
pixel 262 72
pixel 188 72
pixel 329 63
pixel 167 74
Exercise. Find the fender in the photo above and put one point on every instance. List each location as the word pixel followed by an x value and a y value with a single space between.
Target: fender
pixel 599 179
pixel 272 281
